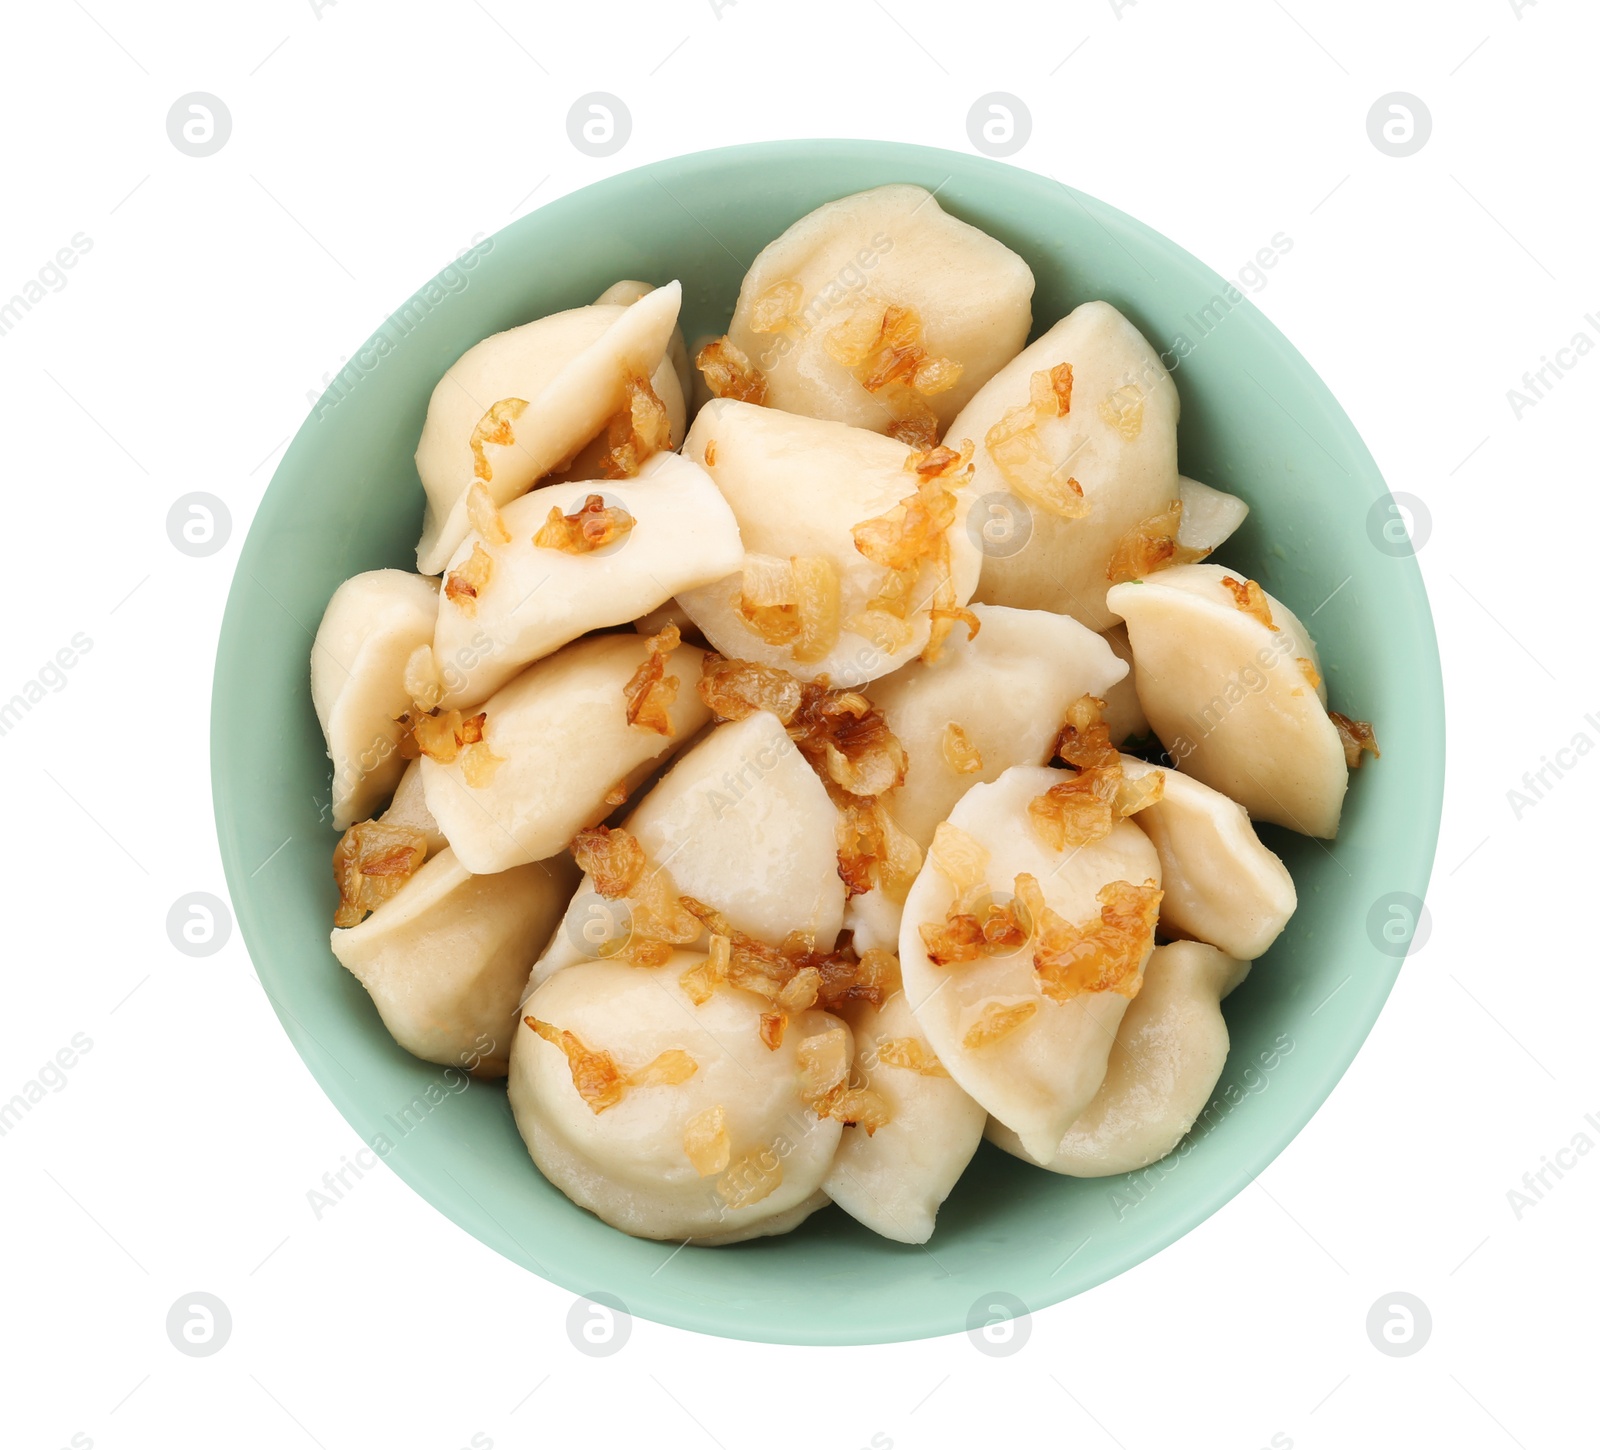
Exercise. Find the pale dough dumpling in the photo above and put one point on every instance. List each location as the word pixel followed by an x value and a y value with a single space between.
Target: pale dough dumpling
pixel 529 599
pixel 1219 883
pixel 1032 1061
pixel 893 1180
pixel 1210 516
pixel 1117 441
pixel 446 957
pixel 693 1129
pixel 358 664
pixel 409 808
pixel 740 822
pixel 798 487
pixel 556 742
pixel 523 402
pixel 1124 715
pixel 1230 682
pixel 989 703
pixel 1169 1053
pixel 811 311
pixel 625 294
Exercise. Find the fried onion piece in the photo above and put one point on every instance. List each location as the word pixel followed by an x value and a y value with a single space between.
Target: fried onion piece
pixel 731 374
pixel 976 923
pixel 1313 676
pixel 1356 736
pixel 1103 955
pixel 494 427
pixel 910 1053
pixel 960 754
pixel 463 585
pixel 1249 597
pixel 370 864
pixel 825 1085
pixel 1151 544
pixel 736 689
pixel 485 517
pixel 706 1143
pixel 650 690
pixel 778 308
pixel 1019 452
pixel 600 1080
pixel 638 431
pixel 587 529
pixel 882 345
pixel 997 1021
pixel 619 867
pixel 441 735
pixel 754 1176
pixel 1124 411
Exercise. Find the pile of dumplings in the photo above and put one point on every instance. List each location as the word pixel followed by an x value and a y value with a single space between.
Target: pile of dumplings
pixel 778 825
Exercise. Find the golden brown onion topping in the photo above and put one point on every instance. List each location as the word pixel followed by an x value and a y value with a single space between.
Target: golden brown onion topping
pixel 730 374
pixel 600 1080
pixel 651 690
pixel 370 864
pixel 494 427
pixel 1356 736
pixel 463 585
pixel 1105 955
pixel 1249 597
pixel 591 527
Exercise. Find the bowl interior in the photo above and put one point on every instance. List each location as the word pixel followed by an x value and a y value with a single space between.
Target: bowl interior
pixel 1256 420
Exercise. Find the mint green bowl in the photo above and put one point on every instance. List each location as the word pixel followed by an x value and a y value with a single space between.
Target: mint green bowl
pixel 1256 420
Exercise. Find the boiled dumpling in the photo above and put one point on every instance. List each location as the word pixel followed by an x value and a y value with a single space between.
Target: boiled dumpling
pixel 522 403
pixel 1169 1053
pixel 1210 517
pixel 358 664
pixel 991 702
pixel 1082 427
pixel 740 822
pixel 446 958
pixel 1124 715
pixel 808 600
pixel 1229 680
pixel 524 582
pixel 625 294
pixel 409 808
pixel 883 311
pixel 556 742
pixel 1033 1058
pixel 1219 883
pixel 670 1120
pixel 894 1179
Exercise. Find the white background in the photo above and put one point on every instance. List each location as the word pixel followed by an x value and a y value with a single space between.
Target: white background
pixel 369 145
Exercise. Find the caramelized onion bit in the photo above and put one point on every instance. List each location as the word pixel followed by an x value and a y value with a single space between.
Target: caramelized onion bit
pixel 772 1029
pixel 616 862
pixel 1150 545
pixel 485 517
pixel 1356 736
pixel 585 530
pixel 730 374
pixel 370 864
pixel 463 585
pixel 778 308
pixel 736 689
pixel 1310 671
pixel 706 1143
pixel 816 593
pixel 754 1176
pixel 639 430
pixel 601 1082
pixel 494 427
pixel 882 345
pixel 651 690
pixel 1249 597
pixel 1104 955
pixel 825 1085
pixel 960 754
pixel 1084 809
pixel 1124 411
pixel 440 735
pixel 424 685
pixel 910 1053
pixel 997 1021
pixel 1019 452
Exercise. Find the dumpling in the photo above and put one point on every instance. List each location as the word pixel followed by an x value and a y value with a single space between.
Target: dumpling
pixel 1170 1051
pixel 1124 715
pixel 1024 1020
pixel 991 702
pixel 446 958
pixel 522 403
pixel 670 1120
pixel 520 585
pixel 358 664
pixel 1082 427
pixel 883 311
pixel 1210 517
pixel 808 600
pixel 740 822
pixel 1219 883
pixel 1229 680
pixel 625 294
pixel 894 1179
pixel 556 742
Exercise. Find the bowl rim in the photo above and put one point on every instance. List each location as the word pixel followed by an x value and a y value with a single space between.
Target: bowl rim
pixel 1425 791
